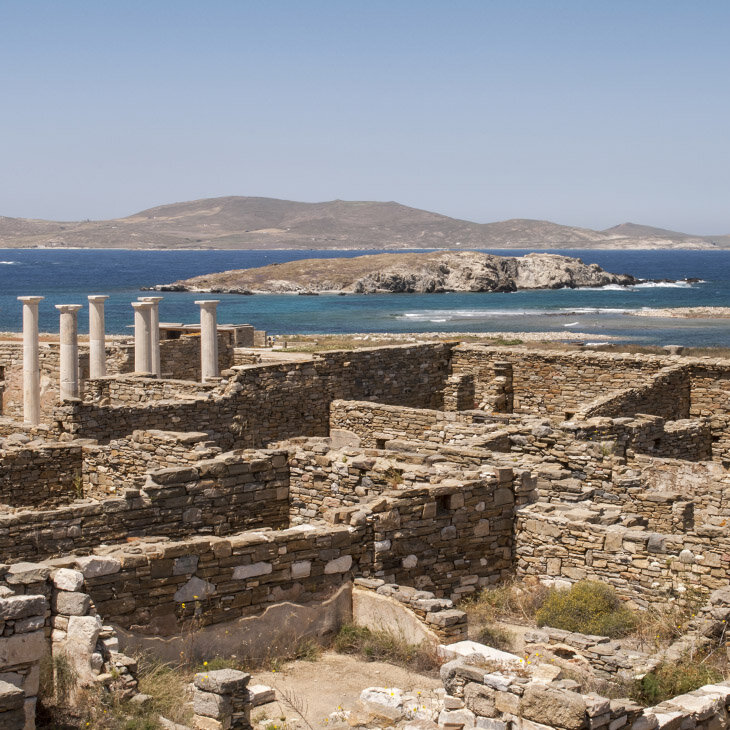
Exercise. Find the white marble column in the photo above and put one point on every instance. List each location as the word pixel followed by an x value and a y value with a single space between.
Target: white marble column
pixel 97 336
pixel 69 350
pixel 142 353
pixel 154 333
pixel 208 338
pixel 31 362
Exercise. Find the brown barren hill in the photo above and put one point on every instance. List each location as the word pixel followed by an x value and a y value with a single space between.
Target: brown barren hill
pixel 267 223
pixel 440 271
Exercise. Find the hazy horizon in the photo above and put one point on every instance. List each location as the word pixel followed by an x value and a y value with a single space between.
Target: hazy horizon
pixel 584 114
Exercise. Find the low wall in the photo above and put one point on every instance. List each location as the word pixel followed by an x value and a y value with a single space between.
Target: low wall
pixel 40 475
pixel 220 496
pixel 162 589
pixel 134 390
pixel 375 423
pixel 124 463
pixel 510 694
pixel 645 567
pixel 23 644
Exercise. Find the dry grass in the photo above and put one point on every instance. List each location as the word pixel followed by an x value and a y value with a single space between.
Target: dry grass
pixel 513 600
pixel 385 646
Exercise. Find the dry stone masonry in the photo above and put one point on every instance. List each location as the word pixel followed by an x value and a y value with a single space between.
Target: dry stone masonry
pixel 384 482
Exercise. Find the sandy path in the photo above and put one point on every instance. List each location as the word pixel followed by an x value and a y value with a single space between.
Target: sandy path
pixel 332 682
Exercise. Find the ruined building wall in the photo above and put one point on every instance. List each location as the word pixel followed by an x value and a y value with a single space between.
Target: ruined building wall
pixel 215 497
pixel 374 423
pixel 41 475
pixel 220 579
pixel 322 480
pixel 449 540
pixel 11 360
pixel 644 566
pixel 552 382
pixel 261 404
pixel 667 395
pixel 124 463
pixel 180 359
pixel 137 390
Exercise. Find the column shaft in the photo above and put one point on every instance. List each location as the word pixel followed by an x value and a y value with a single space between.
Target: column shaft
pixel 208 338
pixel 155 333
pixel 142 354
pixel 97 335
pixel 69 350
pixel 31 362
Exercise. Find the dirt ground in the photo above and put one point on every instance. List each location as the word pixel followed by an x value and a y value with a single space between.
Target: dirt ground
pixel 323 690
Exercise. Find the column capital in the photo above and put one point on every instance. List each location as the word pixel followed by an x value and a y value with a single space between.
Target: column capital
pixel 64 308
pixel 30 300
pixel 208 303
pixel 143 306
pixel 154 300
pixel 98 297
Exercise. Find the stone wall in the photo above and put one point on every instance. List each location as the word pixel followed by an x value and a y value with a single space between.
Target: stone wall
pixel 375 423
pixel 124 463
pixel 323 479
pixel 23 644
pixel 40 475
pixel 217 497
pixel 689 439
pixel 180 359
pixel 667 395
pixel 645 567
pixel 161 589
pixel 505 691
pixel 553 382
pixel 268 403
pixel 134 390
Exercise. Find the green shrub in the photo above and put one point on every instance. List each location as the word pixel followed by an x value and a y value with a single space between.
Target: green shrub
pixel 670 680
pixel 588 607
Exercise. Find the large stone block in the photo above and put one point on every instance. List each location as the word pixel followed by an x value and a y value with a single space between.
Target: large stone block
pixel 558 708
pixel 70 604
pixel 66 579
pixel 242 572
pixel 11 697
pixel 18 607
pixel 211 704
pixel 222 681
pixel 22 648
pixel 95 566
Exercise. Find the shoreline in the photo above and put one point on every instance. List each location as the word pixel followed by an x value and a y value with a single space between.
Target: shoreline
pixel 382 250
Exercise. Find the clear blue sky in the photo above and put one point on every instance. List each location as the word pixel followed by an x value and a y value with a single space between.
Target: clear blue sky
pixel 585 112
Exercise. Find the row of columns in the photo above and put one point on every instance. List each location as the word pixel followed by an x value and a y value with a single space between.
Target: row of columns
pixel 146 345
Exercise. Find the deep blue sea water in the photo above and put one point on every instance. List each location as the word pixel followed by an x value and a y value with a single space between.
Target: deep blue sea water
pixel 68 276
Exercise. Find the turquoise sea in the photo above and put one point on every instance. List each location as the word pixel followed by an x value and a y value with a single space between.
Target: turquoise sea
pixel 68 276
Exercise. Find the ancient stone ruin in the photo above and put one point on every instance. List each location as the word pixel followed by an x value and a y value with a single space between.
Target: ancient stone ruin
pixel 175 480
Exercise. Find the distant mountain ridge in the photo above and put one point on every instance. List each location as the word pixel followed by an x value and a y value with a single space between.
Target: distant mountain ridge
pixel 269 223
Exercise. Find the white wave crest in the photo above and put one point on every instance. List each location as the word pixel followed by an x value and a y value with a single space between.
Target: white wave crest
pixel 663 285
pixel 8 263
